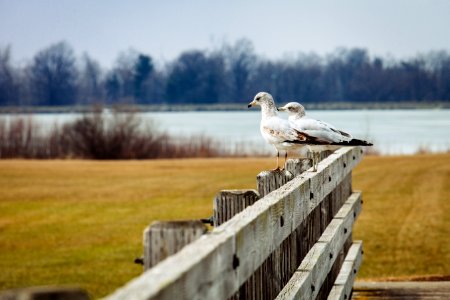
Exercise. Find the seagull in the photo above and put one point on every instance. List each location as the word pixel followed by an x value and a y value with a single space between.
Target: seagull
pixel 275 130
pixel 320 136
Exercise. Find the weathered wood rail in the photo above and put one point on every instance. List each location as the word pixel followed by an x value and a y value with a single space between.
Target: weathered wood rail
pixel 291 238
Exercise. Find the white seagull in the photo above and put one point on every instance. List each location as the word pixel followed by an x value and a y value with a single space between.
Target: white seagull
pixel 320 136
pixel 275 130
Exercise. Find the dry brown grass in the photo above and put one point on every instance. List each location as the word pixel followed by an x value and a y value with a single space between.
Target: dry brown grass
pixel 81 222
pixel 405 222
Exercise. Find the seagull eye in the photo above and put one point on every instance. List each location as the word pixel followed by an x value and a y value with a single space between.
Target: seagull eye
pixel 257 98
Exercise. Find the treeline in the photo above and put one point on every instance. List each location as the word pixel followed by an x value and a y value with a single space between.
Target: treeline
pixel 229 74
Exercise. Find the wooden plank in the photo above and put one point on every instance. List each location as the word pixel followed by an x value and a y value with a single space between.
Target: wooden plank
pixel 279 267
pixel 162 239
pixel 230 202
pixel 218 263
pixel 327 284
pixel 328 208
pixel 355 197
pixel 227 204
pixel 293 201
pixel 267 280
pixel 203 268
pixel 321 257
pixel 276 270
pixel 342 287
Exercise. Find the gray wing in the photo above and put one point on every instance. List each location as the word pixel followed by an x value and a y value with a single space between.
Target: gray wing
pixel 319 131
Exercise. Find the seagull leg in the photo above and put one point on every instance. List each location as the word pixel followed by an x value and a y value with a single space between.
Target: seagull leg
pixel 315 161
pixel 285 159
pixel 311 156
pixel 278 161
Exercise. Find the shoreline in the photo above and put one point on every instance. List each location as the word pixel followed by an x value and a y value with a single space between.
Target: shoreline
pixel 410 105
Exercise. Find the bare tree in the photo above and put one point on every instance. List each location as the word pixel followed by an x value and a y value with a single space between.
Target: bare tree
pixel 196 78
pixel 90 81
pixel 119 83
pixel 143 70
pixel 9 93
pixel 54 75
pixel 242 61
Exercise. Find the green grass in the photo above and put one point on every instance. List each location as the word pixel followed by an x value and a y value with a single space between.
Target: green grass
pixel 81 222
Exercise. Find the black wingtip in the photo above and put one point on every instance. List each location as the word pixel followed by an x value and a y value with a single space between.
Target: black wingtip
pixel 354 142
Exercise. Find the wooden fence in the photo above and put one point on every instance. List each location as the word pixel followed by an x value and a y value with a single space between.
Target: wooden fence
pixel 291 238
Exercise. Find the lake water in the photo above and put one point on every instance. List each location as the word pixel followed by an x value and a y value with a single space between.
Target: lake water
pixel 391 131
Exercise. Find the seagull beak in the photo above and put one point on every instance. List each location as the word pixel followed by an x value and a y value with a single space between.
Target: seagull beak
pixel 282 108
pixel 251 104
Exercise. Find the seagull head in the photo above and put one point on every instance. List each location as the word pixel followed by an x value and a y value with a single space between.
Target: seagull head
pixel 293 109
pixel 262 98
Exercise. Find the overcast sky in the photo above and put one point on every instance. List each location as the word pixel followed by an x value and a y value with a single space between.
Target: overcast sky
pixel 163 29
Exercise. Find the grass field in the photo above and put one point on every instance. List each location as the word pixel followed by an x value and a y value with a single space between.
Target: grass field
pixel 405 222
pixel 81 222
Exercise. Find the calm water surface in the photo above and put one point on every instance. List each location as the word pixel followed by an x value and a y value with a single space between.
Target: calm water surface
pixel 391 131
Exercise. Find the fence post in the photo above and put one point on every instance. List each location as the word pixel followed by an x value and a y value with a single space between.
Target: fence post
pixel 255 255
pixel 162 239
pixel 275 272
pixel 266 281
pixel 298 165
pixel 228 203
pixel 268 181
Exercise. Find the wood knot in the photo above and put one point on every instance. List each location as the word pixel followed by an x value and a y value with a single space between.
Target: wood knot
pixel 235 262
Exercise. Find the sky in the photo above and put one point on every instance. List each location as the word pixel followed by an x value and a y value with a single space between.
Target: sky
pixel 164 29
